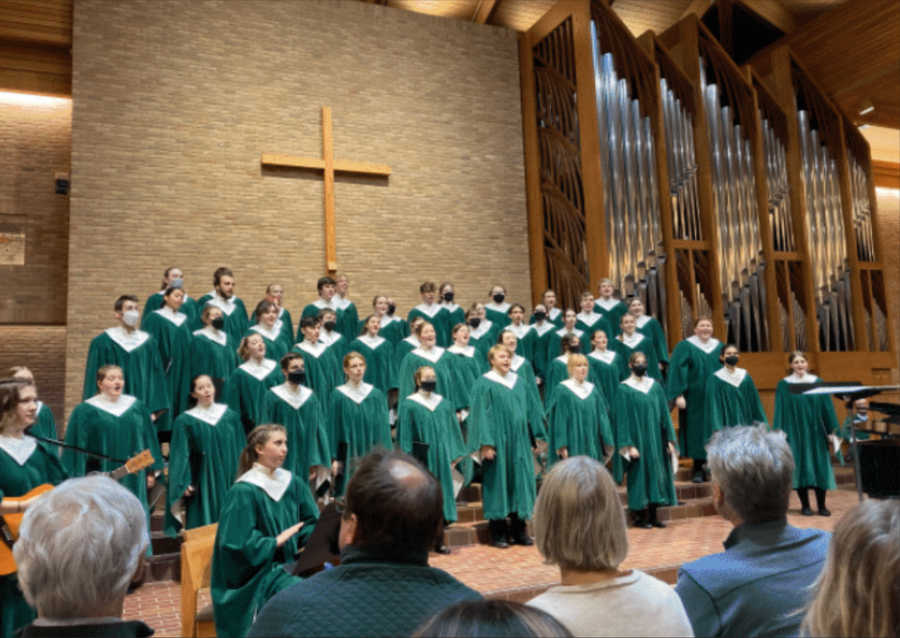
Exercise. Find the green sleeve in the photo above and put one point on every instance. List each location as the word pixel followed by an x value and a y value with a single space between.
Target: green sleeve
pixel 179 472
pixel 754 403
pixel 406 426
pixel 665 416
pixel 481 418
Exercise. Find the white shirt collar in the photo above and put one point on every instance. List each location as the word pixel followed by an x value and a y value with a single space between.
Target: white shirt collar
pixel 19 449
pixel 293 399
pixel 434 355
pixel 607 305
pixel 734 378
pixel 356 394
pixel 517 362
pixel 118 408
pixel 483 327
pixel 509 380
pixel 270 334
pixel 128 341
pixel 645 384
pixel 642 320
pixel 711 344
pixel 431 402
pixel 806 378
pixel 258 371
pixel 633 340
pixel 274 484
pixel 227 307
pixel 177 318
pixel 606 357
pixel 315 349
pixel 211 416
pixel 468 351
pixel 582 390
pixel 498 307
pixel 372 342
pixel 219 336
pixel 429 311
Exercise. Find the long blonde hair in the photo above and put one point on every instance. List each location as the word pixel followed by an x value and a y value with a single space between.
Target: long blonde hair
pixel 258 437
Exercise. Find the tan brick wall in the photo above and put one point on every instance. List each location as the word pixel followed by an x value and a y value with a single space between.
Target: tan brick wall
pixel 176 101
pixel 35 143
pixel 42 350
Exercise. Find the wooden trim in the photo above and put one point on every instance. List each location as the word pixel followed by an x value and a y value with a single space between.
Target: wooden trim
pixel 886 174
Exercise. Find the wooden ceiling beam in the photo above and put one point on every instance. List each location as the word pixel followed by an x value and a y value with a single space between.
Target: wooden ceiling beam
pixel 773 12
pixel 698 7
pixel 485 11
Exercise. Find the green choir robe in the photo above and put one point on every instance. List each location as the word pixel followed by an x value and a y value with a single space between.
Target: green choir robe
pixel 497 314
pixel 45 426
pixel 484 337
pixel 732 399
pixel 138 356
pixel 457 316
pixel 643 421
pixel 277 344
pixel 287 326
pixel 578 419
pixel 204 452
pixel 505 416
pixel 247 564
pixel 357 417
pixel 526 340
pixel 233 311
pixel 24 465
pixel 588 323
pixel 301 414
pixel 626 346
pixel 246 390
pixel 323 373
pixel 608 370
pixel 542 332
pixel 312 310
pixel 432 421
pixel 213 353
pixel 189 307
pixel 443 364
pixel 554 317
pixel 557 372
pixel 349 326
pixel 469 367
pixel 379 355
pixel 521 367
pixel 653 330
pixel 693 363
pixel 806 420
pixel 172 333
pixel 403 348
pixel 393 329
pixel 438 316
pixel 119 430
pixel 612 310
pixel 335 342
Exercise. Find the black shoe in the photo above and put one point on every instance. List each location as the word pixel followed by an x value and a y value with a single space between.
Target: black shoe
pixel 806 511
pixel 500 544
pixel 823 511
pixel 657 523
pixel 443 551
pixel 521 539
pixel 698 477
pixel 644 524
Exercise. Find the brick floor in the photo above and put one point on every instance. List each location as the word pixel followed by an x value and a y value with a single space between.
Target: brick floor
pixel 519 573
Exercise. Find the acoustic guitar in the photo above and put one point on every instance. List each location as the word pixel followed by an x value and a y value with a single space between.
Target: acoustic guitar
pixel 10 523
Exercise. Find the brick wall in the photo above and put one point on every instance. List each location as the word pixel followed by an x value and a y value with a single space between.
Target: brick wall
pixel 176 101
pixel 42 350
pixel 889 231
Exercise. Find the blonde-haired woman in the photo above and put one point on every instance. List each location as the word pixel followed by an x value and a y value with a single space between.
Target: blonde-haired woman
pixel 44 423
pixel 579 525
pixel 858 591
pixel 269 513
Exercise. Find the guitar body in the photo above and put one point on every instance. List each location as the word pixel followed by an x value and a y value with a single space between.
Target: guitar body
pixel 13 522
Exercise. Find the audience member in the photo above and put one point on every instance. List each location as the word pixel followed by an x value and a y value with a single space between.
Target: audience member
pixel 79 548
pixel 759 584
pixel 579 526
pixel 383 586
pixel 492 618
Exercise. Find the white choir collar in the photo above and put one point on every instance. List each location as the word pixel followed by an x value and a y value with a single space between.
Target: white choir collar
pixel 645 384
pixel 342 302
pixel 633 340
pixel 589 319
pixel 19 449
pixel 734 378
pixel 582 390
pixel 711 344
pixel 498 307
pixel 274 484
pixel 258 371
pixel 607 305
pixel 564 358
pixel 481 330
pixel 372 342
pixel 544 328
pixel 293 399
pixel 272 334
pixel 429 311
pixel 219 336
pixel 520 331
pixel 125 340
pixel 226 306
pixel 321 304
pixel 468 351
pixel 356 394
pixel 177 318
pixel 211 416
pixel 330 339
pixel 386 320
pixel 516 363
pixel 553 313
pixel 642 320
pixel 413 340
pixel 806 378
pixel 118 408
pixel 562 332
pixel 316 349
pixel 606 357
pixel 431 403
pixel 451 306
pixel 509 380
pixel 434 355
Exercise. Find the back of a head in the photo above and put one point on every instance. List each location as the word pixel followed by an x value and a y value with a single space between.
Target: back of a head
pixel 754 468
pixel 858 591
pixel 79 547
pixel 397 502
pixel 492 619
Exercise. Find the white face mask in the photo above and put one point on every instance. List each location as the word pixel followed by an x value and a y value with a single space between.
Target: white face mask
pixel 178 282
pixel 131 317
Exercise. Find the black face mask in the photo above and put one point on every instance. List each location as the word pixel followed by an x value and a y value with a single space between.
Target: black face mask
pixel 574 348
pixel 499 297
pixel 540 316
pixel 392 308
pixel 428 385
pixel 329 325
pixel 732 360
pixel 448 297
pixel 297 377
pixel 218 323
pixel 639 369
pixel 474 322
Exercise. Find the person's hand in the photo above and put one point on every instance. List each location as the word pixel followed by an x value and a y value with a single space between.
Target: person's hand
pixel 488 452
pixel 284 536
pixel 563 452
pixel 671 448
pixel 680 403
pixel 633 452
pixel 189 491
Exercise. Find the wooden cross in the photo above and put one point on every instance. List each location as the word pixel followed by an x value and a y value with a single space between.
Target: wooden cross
pixel 329 166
